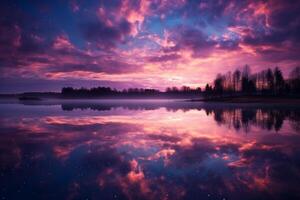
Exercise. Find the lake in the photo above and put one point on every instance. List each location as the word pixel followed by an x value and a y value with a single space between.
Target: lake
pixel 65 149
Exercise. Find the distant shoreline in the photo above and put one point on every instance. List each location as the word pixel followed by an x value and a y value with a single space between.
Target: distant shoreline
pixel 213 99
pixel 251 99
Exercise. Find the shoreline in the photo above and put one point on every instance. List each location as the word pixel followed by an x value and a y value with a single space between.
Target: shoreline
pixel 233 100
pixel 251 99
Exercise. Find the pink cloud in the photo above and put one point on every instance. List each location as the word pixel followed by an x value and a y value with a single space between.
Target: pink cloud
pixel 62 42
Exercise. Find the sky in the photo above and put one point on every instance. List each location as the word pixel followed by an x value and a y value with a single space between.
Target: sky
pixel 47 45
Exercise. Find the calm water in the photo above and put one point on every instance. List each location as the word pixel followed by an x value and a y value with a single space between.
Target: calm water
pixel 149 150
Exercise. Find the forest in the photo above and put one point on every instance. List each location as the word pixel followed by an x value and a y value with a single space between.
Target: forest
pixel 264 83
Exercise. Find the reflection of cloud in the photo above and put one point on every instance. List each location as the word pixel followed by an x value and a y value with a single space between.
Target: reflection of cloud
pixel 153 154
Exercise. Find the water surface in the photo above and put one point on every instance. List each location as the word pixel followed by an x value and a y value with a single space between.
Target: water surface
pixel 148 150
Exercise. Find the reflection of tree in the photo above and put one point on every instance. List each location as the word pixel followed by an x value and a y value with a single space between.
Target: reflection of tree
pixel 265 118
pixel 131 105
pixel 238 117
pixel 295 119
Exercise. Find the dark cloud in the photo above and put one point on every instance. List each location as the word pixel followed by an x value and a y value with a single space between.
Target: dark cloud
pixel 228 44
pixel 274 23
pixel 106 66
pixel 27 41
pixel 280 29
pixel 106 36
pixel 193 39
pixel 22 34
pixel 163 58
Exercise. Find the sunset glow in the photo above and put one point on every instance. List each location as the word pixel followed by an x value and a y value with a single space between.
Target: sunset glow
pixel 150 44
pixel 150 99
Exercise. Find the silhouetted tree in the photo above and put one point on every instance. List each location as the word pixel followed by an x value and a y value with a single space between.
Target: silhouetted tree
pixel 218 84
pixel 67 91
pixel 279 83
pixel 208 90
pixel 245 78
pixel 246 72
pixel 248 85
pixel 270 80
pixel 295 81
pixel 236 80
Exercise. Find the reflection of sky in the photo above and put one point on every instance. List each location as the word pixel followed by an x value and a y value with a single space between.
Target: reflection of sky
pixel 144 154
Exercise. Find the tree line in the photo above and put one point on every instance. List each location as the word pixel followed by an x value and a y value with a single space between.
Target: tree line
pixel 239 82
pixel 131 92
pixel 265 82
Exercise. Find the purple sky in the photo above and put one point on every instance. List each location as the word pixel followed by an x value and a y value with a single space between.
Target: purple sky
pixel 45 45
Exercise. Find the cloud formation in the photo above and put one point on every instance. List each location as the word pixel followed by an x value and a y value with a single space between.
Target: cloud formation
pixel 155 43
